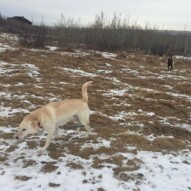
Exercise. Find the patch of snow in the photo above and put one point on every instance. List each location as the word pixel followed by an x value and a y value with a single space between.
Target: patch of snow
pixel 6 68
pixel 183 58
pixel 82 53
pixel 165 171
pixel 104 71
pixel 19 84
pixel 107 54
pixel 63 175
pixel 118 116
pixel 115 80
pixel 8 111
pixel 5 95
pixel 80 72
pixel 4 47
pixel 77 53
pixel 101 143
pixel 9 36
pixel 151 114
pixel 168 86
pixel 188 97
pixel 52 48
pixel 116 92
pixel 184 126
pixel 33 71
pixel 108 65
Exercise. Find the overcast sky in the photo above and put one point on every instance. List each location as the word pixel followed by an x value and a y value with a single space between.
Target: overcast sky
pixel 165 14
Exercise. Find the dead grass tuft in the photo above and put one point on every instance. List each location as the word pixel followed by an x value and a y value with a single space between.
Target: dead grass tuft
pixel 3 158
pixel 53 185
pixel 132 139
pixel 11 148
pixel 56 153
pixel 29 162
pixel 117 160
pixel 73 165
pixel 23 178
pixel 49 167
pixel 168 144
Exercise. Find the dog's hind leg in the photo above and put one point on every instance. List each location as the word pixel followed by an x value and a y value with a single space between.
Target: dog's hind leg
pixel 87 127
pixel 84 120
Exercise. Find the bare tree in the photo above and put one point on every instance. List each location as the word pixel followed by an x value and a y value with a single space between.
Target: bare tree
pixel 115 34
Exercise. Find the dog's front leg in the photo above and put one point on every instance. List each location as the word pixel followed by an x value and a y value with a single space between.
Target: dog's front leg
pixel 49 137
pixel 56 134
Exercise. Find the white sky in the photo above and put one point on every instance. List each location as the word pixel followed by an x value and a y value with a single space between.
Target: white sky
pixel 165 14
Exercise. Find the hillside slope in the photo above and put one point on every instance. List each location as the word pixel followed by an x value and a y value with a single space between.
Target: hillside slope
pixel 141 124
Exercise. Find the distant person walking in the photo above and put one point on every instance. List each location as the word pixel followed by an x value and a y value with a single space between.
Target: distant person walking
pixel 170 63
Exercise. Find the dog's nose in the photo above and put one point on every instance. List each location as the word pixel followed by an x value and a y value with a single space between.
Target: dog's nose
pixel 16 137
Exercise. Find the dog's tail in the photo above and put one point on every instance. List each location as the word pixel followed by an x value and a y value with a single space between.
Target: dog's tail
pixel 84 91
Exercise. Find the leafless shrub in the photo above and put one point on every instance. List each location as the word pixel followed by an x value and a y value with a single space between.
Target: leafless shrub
pixel 33 37
pixel 116 34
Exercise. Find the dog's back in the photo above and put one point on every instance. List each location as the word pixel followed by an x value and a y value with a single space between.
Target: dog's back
pixel 64 111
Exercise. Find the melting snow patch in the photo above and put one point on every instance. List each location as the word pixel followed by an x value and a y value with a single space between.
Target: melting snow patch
pixel 4 47
pixel 151 114
pixel 76 54
pixel 80 72
pixel 188 97
pixel 165 171
pixel 8 111
pixel 183 58
pixel 9 36
pixel 168 86
pixel 52 48
pixel 119 116
pixel 108 65
pixel 115 93
pixel 107 54
pixel 6 68
pixel 33 71
pixel 101 143
pixel 104 71
pixel 183 126
pixel 17 176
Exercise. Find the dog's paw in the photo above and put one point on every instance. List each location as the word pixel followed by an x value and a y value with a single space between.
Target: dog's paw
pixel 42 150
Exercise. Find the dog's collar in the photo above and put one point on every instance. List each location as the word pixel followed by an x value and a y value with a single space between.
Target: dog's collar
pixel 39 125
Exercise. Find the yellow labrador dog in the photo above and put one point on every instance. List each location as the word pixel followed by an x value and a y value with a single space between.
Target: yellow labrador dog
pixel 50 116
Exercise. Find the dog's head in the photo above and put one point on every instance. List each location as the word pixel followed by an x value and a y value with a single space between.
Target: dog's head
pixel 29 125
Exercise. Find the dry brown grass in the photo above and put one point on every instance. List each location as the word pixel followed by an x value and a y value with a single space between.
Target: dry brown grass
pixel 49 167
pixel 51 73
pixel 168 144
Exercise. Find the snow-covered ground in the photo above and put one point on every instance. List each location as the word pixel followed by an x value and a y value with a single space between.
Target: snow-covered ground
pixel 73 163
pixel 183 57
pixel 23 169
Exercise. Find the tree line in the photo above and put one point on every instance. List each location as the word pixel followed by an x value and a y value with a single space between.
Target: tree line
pixel 116 34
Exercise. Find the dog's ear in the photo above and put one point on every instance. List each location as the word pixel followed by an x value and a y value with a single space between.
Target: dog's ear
pixel 35 123
pixel 26 116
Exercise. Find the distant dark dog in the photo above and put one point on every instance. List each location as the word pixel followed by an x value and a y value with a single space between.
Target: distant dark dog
pixel 170 63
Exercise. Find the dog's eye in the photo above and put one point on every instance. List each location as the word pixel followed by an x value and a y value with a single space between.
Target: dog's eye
pixel 24 129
